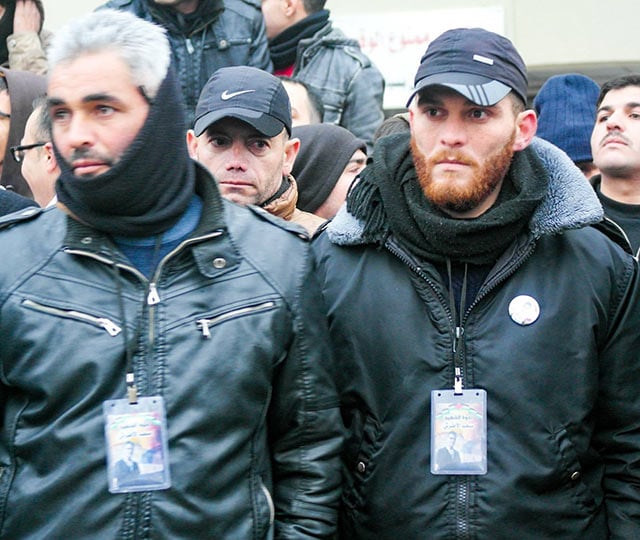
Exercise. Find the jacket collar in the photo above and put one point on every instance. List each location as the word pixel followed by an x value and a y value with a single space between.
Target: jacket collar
pixel 285 204
pixel 211 260
pixel 570 202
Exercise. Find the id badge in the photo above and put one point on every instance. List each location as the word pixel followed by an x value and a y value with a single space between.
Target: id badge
pixel 137 450
pixel 459 432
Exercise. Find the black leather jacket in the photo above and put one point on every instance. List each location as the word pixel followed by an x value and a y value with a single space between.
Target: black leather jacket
pixel 233 35
pixel 229 332
pixel 350 85
pixel 563 434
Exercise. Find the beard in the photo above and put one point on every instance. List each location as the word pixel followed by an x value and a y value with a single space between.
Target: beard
pixel 461 196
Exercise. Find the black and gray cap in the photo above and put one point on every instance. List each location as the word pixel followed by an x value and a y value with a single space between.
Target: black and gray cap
pixel 248 94
pixel 482 66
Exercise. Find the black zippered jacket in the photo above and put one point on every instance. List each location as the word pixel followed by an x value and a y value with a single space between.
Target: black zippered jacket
pixel 563 427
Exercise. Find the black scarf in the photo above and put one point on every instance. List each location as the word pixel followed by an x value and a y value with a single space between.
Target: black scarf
pixel 187 23
pixel 389 200
pixel 149 188
pixel 284 46
pixel 6 29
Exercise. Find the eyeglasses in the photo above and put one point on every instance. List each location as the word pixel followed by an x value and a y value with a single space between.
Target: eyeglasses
pixel 18 151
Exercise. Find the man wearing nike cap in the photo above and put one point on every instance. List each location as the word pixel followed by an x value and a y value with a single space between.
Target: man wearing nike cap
pixel 472 288
pixel 242 134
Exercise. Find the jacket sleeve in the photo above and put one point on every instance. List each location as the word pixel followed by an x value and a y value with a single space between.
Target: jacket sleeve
pixel 260 56
pixel 363 111
pixel 305 425
pixel 617 435
pixel 27 52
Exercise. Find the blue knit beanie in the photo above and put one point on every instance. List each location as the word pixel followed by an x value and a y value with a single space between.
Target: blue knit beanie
pixel 566 108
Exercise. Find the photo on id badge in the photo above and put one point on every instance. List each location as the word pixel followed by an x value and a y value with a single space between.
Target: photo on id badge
pixel 137 457
pixel 458 432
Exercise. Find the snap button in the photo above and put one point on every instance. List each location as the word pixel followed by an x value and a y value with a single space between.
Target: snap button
pixel 575 475
pixel 219 262
pixel 223 44
pixel 361 467
pixel 86 240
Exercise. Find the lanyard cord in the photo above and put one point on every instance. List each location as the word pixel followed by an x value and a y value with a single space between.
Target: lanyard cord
pixel 132 390
pixel 458 330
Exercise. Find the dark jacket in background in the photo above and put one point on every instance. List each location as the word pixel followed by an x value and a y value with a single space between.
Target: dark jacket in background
pixel 10 202
pixel 626 217
pixel 350 86
pixel 231 33
pixel 563 435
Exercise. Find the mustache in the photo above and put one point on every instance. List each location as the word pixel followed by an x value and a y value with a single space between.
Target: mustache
pixel 452 155
pixel 88 153
pixel 615 135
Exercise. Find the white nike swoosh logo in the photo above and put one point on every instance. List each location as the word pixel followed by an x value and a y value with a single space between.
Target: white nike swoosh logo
pixel 228 95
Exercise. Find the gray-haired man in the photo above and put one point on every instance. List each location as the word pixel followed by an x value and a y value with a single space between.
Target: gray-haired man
pixel 151 319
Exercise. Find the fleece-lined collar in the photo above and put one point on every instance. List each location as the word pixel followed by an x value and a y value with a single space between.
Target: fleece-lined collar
pixel 570 202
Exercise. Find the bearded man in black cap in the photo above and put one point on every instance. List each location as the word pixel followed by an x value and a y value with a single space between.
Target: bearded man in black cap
pixel 474 294
pixel 150 318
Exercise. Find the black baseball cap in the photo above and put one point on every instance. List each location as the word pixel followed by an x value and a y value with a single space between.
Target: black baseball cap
pixel 482 66
pixel 247 93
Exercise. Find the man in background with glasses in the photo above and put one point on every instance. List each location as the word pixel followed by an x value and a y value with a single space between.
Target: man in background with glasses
pixel 18 89
pixel 36 157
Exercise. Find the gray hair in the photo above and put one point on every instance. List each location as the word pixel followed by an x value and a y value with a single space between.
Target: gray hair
pixel 142 45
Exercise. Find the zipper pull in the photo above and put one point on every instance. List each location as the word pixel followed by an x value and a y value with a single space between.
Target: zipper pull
pixel 154 297
pixel 190 48
pixel 203 324
pixel 457 382
pixel 458 336
pixel 112 328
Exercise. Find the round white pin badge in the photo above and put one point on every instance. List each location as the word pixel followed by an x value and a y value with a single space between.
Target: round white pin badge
pixel 524 310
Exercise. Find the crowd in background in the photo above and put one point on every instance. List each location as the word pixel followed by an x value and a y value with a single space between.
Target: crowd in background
pixel 238 300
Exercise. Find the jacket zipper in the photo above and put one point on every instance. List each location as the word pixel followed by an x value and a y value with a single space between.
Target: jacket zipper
pixel 205 324
pixel 624 235
pixel 501 276
pixel 462 483
pixel 462 509
pixel 101 322
pixel 456 332
pixel 153 296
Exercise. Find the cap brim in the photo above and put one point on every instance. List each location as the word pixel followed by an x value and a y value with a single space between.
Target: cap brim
pixel 265 124
pixel 477 89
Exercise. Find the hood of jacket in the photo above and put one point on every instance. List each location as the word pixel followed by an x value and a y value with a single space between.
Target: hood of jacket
pixel 570 201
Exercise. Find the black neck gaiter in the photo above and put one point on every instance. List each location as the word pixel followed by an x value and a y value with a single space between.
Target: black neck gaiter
pixel 187 23
pixel 283 48
pixel 149 188
pixel 6 29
